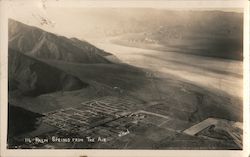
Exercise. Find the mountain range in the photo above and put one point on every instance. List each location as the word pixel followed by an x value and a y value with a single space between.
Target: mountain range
pixel 35 42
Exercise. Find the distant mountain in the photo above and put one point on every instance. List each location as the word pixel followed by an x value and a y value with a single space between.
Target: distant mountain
pixel 210 33
pixel 41 44
pixel 33 77
pixel 206 33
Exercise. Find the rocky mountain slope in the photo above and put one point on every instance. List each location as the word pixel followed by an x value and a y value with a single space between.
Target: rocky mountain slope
pixel 41 44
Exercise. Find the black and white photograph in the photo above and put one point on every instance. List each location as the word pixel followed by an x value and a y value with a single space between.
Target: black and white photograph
pixel 130 78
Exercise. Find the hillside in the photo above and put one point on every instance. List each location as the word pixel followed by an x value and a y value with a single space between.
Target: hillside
pixel 41 44
pixel 33 77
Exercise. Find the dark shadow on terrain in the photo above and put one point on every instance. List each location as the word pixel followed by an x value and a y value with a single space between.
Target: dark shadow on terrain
pixel 33 77
pixel 121 76
pixel 20 121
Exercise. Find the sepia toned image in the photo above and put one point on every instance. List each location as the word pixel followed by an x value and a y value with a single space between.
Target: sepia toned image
pixel 127 78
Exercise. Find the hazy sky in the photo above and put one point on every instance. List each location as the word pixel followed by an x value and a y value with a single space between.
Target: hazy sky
pixel 68 21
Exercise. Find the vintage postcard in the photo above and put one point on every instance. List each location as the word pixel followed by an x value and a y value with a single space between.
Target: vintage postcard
pixel 124 78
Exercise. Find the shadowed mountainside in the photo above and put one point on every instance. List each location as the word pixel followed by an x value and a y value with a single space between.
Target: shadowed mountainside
pixel 33 77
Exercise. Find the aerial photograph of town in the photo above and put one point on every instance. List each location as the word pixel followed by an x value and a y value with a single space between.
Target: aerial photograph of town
pixel 125 78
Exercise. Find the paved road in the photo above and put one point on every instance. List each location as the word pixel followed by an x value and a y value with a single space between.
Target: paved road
pixel 151 113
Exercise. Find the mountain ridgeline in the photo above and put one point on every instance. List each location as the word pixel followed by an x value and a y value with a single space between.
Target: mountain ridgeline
pixel 38 43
